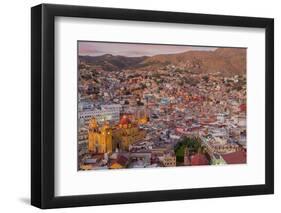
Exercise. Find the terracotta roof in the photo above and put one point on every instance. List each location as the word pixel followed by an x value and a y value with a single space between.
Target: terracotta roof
pixel 238 157
pixel 243 107
pixel 199 159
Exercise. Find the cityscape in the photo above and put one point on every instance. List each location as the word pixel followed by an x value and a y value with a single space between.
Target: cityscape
pixel 157 105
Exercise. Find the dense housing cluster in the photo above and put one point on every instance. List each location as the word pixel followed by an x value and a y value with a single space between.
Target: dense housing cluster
pixel 159 115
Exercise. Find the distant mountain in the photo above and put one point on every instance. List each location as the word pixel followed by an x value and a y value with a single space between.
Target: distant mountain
pixel 110 62
pixel 228 61
pixel 224 60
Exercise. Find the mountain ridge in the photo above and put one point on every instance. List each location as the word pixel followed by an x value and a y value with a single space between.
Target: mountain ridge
pixel 225 60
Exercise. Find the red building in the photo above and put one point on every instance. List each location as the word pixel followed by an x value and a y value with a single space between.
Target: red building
pixel 199 159
pixel 238 157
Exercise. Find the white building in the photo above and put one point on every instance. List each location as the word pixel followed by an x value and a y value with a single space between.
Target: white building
pixel 106 113
pixel 221 117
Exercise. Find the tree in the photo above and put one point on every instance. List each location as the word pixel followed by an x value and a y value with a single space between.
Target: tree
pixel 193 145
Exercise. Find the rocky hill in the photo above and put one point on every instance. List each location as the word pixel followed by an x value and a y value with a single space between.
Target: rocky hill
pixel 227 61
pixel 110 62
pixel 224 60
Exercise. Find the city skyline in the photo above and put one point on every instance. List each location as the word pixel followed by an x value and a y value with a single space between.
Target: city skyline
pixel 174 107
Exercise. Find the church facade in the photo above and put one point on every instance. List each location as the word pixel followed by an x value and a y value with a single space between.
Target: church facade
pixel 106 138
pixel 100 139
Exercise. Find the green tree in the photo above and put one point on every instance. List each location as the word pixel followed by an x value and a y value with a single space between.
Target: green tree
pixel 193 145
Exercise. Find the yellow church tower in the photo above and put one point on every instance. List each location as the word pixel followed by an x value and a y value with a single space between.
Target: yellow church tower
pixel 99 141
pixel 93 136
pixel 106 138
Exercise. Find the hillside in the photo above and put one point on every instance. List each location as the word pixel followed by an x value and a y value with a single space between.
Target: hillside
pixel 224 60
pixel 110 62
pixel 227 61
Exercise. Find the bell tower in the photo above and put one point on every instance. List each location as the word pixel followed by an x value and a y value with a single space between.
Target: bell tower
pixel 106 138
pixel 93 136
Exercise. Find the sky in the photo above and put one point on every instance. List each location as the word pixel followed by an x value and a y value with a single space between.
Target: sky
pixel 133 50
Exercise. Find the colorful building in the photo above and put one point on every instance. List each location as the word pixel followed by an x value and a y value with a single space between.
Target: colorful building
pixel 99 139
pixel 108 139
pixel 126 133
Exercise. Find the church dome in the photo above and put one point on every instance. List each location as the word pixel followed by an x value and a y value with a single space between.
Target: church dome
pixel 125 120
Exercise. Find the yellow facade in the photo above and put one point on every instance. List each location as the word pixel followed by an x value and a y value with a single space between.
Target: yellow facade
pixel 143 120
pixel 125 135
pixel 108 139
pixel 100 141
pixel 170 161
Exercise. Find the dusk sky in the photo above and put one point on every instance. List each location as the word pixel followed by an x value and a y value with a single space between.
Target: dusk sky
pixel 132 50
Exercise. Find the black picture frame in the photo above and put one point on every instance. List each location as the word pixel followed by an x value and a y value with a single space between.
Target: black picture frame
pixel 43 102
